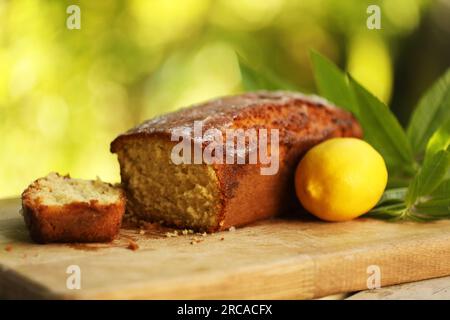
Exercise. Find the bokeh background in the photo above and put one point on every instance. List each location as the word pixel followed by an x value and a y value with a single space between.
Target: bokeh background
pixel 65 94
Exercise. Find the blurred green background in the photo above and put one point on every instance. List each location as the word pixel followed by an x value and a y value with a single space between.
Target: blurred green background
pixel 65 94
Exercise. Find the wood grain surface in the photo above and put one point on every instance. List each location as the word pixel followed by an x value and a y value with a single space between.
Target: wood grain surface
pixel 432 289
pixel 278 258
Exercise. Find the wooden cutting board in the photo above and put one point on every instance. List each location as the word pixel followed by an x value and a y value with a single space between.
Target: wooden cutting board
pixel 276 258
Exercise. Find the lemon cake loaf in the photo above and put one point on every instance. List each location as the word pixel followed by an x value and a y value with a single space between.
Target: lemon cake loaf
pixel 215 196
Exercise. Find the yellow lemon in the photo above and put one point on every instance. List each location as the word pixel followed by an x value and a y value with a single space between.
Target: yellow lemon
pixel 340 179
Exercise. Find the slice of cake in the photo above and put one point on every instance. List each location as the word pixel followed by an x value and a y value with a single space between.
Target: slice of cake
pixel 60 209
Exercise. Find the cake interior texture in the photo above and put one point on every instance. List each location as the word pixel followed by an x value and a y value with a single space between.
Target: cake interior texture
pixel 158 190
pixel 56 190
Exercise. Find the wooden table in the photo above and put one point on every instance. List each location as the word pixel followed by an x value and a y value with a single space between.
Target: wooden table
pixel 272 259
pixel 432 289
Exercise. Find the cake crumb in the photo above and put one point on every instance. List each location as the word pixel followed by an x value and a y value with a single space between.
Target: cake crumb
pixel 132 245
pixel 8 248
pixel 232 229
pixel 221 239
pixel 204 234
pixel 172 234
pixel 187 231
pixel 196 240
pixel 142 231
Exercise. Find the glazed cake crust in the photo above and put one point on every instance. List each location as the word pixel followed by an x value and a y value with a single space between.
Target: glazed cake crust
pixel 245 194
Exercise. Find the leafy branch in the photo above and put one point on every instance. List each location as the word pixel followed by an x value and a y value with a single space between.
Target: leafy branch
pixel 418 158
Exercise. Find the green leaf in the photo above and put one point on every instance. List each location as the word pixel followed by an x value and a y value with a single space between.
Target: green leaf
pixel 382 130
pixel 398 181
pixel 440 140
pixel 431 112
pixel 261 79
pixel 389 207
pixel 442 191
pixel 393 195
pixel 332 83
pixel 388 212
pixel 438 209
pixel 429 177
